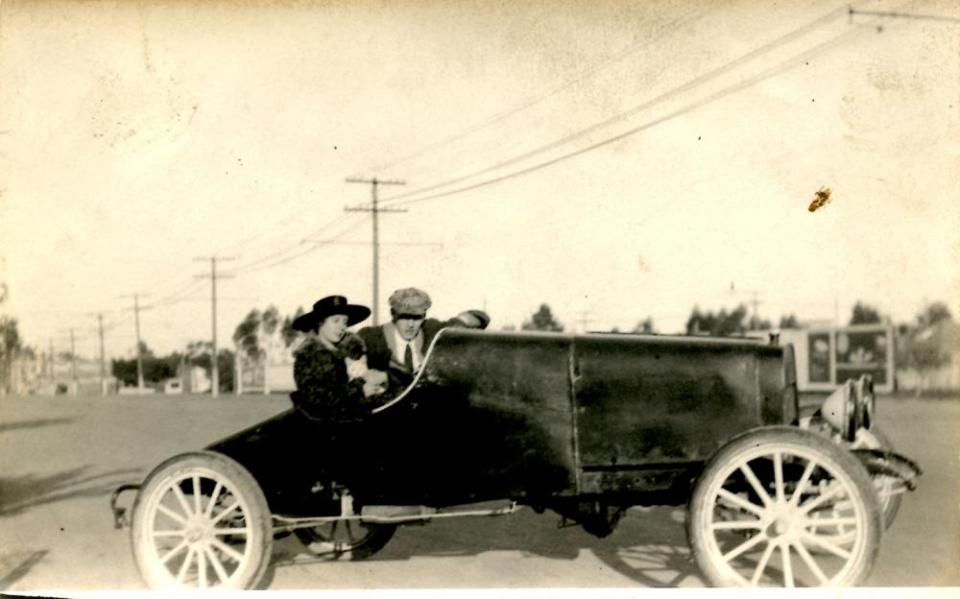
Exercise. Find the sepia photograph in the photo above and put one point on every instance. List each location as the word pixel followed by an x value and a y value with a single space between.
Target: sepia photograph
pixel 486 297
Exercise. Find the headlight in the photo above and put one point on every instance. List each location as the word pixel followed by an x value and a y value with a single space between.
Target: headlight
pixel 864 399
pixel 839 409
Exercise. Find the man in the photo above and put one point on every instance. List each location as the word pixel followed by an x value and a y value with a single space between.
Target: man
pixel 399 347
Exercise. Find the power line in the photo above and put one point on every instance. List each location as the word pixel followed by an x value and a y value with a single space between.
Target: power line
pixel 693 83
pixel 902 15
pixel 730 90
pixel 509 112
pixel 303 252
pixel 256 264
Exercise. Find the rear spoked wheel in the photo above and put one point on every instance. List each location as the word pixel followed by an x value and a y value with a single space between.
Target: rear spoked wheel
pixel 201 521
pixel 768 508
pixel 345 539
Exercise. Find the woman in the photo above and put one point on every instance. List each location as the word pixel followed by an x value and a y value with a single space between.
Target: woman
pixel 325 390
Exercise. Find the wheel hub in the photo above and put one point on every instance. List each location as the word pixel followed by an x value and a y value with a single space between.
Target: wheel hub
pixel 197 531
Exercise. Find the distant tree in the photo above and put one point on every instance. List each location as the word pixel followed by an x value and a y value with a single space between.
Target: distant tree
pixel 920 344
pixel 542 320
pixel 198 354
pixel 245 336
pixel 269 321
pixel 645 326
pixel 789 322
pixel 755 323
pixel 934 314
pixel 722 323
pixel 287 332
pixel 864 313
pixel 10 347
pixel 225 361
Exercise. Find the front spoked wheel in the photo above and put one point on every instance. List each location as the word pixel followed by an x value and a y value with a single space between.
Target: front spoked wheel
pixel 767 507
pixel 201 521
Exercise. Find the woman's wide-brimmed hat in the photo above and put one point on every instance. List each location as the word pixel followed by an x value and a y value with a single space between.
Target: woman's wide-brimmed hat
pixel 328 306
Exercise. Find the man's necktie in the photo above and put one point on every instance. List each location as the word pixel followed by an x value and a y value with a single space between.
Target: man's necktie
pixel 408 358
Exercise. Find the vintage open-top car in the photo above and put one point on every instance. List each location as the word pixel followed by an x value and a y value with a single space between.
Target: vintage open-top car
pixel 584 425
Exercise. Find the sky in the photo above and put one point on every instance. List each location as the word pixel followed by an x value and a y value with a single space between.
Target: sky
pixel 615 160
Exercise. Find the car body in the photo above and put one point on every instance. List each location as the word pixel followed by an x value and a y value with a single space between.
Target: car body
pixel 584 425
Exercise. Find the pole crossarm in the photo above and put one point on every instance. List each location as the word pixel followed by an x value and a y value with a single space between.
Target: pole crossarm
pixel 371 209
pixel 335 242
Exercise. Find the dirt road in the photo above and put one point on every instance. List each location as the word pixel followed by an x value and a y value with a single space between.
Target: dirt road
pixel 61 457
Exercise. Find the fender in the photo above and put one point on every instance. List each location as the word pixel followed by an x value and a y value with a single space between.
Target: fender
pixel 888 463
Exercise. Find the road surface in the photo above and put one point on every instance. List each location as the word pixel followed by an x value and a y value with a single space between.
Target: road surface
pixel 60 458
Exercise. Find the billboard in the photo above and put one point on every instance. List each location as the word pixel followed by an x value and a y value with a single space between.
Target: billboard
pixel 827 357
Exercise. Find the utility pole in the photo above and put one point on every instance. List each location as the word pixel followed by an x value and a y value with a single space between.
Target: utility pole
pixel 375 210
pixel 214 367
pixel 136 321
pixel 53 360
pixel 103 368
pixel 584 314
pixel 755 302
pixel 73 364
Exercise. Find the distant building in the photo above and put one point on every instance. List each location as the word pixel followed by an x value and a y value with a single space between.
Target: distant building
pixel 943 339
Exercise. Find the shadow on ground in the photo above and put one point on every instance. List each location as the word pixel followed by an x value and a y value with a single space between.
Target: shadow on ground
pixel 649 546
pixel 15 566
pixel 20 493
pixel 37 423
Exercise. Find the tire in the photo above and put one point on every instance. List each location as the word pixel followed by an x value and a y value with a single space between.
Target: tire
pixel 349 540
pixel 758 496
pixel 179 521
pixel 886 486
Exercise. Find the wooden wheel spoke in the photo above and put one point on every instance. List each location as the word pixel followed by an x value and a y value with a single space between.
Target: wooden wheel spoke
pixel 177 549
pixel 755 483
pixel 185 566
pixel 819 522
pixel 226 511
pixel 172 514
pixel 213 499
pixel 735 524
pixel 811 563
pixel 821 542
pixel 182 500
pixel 787 565
pixel 202 568
pixel 804 479
pixel 762 564
pixel 740 502
pixel 196 494
pixel 820 499
pixel 217 566
pixel 167 533
pixel 227 549
pixel 231 531
pixel 744 547
pixel 778 476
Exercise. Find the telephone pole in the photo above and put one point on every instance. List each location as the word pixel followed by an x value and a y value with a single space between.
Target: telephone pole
pixel 103 368
pixel 136 322
pixel 214 367
pixel 73 361
pixel 584 320
pixel 375 210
